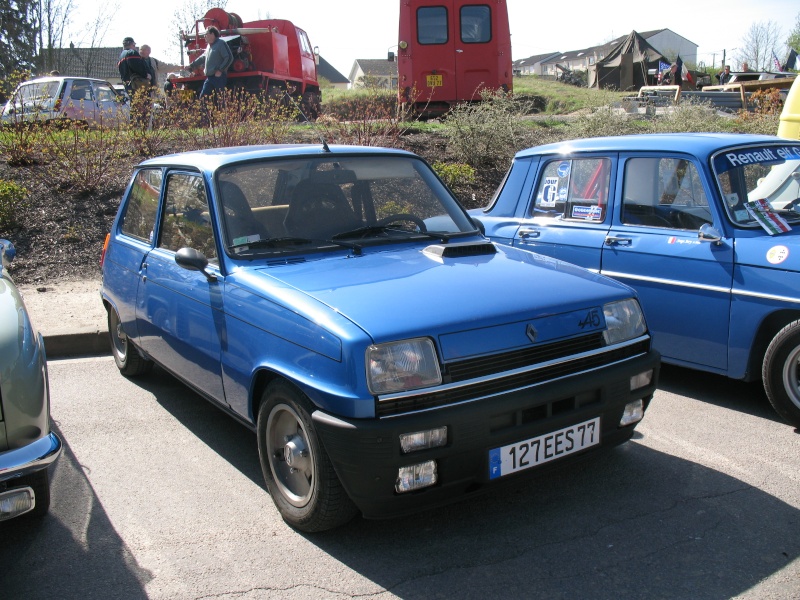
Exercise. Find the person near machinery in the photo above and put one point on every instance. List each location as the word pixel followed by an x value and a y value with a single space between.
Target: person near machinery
pixel 132 69
pixel 215 61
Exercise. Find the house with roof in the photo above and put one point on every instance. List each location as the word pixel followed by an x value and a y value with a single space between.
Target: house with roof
pixel 531 65
pixel 329 73
pixel 380 73
pixel 100 63
pixel 668 43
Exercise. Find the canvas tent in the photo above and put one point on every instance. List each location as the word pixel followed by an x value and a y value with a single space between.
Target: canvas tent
pixel 626 66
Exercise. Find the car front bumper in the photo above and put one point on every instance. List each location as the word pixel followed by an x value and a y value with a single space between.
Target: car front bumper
pixel 33 457
pixel 367 454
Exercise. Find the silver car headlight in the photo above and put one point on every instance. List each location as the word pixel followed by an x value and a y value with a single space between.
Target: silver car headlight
pixel 624 321
pixel 402 366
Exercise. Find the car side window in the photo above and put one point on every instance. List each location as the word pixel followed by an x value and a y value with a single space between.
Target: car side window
pixel 186 221
pixel 573 189
pixel 139 217
pixel 664 192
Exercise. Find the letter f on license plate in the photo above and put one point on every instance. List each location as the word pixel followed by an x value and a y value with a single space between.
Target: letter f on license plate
pixel 544 448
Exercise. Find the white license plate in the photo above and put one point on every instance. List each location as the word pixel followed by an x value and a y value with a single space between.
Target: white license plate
pixel 544 448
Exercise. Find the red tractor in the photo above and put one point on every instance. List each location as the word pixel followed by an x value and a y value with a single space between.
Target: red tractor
pixel 271 57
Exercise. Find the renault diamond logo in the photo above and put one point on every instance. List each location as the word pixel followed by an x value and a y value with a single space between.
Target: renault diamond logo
pixel 531 333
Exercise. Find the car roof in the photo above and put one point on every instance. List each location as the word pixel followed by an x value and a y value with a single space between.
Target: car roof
pixel 59 78
pixel 699 144
pixel 213 158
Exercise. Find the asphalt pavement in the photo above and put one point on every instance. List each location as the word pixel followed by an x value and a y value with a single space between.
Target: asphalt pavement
pixel 70 316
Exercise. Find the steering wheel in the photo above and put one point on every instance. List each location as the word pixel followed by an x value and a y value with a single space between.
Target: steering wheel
pixel 403 217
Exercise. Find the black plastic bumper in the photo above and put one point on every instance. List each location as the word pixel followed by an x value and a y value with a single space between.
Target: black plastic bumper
pixel 366 453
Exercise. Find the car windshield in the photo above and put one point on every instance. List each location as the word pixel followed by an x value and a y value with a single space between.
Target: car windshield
pixel 38 95
pixel 750 175
pixel 301 204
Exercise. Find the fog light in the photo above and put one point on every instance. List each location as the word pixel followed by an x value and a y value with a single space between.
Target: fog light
pixel 423 440
pixel 634 411
pixel 414 477
pixel 641 380
pixel 16 502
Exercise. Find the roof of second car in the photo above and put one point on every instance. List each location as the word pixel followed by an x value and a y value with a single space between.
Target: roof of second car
pixel 701 144
pixel 212 158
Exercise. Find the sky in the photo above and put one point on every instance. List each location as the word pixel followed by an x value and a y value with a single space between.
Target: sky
pixel 346 30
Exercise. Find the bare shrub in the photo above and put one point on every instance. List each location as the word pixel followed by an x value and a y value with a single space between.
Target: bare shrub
pixel 12 198
pixel 82 160
pixel 20 143
pixel 372 118
pixel 486 134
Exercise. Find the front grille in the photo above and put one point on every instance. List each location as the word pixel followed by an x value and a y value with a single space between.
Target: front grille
pixel 511 382
pixel 498 363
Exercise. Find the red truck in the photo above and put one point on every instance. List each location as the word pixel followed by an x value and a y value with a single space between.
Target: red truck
pixel 451 50
pixel 270 56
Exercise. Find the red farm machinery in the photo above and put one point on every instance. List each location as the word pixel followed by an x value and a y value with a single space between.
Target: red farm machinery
pixel 272 57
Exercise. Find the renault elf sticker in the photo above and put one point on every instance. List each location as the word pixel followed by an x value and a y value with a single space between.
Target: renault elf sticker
pixel 777 254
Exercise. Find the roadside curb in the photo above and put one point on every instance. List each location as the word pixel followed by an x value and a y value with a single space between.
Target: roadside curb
pixel 76 344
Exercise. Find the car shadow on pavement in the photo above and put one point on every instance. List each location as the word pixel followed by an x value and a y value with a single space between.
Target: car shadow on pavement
pixel 91 557
pixel 632 522
pixel 745 397
pixel 635 523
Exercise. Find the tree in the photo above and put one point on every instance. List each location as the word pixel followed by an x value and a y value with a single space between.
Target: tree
pixel 759 44
pixel 186 15
pixel 18 27
pixel 54 18
pixel 793 41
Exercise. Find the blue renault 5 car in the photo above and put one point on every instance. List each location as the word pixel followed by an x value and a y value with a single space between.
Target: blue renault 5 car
pixel 705 227
pixel 342 304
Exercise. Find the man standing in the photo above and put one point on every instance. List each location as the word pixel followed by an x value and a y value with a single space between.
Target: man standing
pixel 132 69
pixel 725 75
pixel 216 60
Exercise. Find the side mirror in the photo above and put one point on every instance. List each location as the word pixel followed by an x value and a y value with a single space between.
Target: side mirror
pixel 390 58
pixel 7 251
pixel 193 260
pixel 708 234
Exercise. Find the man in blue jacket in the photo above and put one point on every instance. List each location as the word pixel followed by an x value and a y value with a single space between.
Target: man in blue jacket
pixel 216 60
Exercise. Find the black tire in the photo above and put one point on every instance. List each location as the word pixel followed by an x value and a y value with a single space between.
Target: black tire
pixel 781 373
pixel 129 361
pixel 296 468
pixel 39 482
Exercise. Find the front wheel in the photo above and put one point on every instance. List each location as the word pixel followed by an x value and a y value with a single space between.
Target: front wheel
pixel 781 373
pixel 129 362
pixel 297 471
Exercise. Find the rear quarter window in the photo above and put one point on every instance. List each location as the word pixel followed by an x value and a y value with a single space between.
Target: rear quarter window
pixel 141 209
pixel 575 189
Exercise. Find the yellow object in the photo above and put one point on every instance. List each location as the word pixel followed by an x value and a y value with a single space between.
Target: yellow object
pixel 789 126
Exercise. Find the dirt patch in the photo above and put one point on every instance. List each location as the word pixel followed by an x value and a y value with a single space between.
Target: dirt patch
pixel 59 236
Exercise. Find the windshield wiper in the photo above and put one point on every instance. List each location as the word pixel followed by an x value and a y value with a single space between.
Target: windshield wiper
pixel 287 242
pixel 362 232
pixel 281 242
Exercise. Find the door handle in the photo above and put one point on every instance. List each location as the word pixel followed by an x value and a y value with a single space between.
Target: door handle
pixel 617 241
pixel 459 51
pixel 526 233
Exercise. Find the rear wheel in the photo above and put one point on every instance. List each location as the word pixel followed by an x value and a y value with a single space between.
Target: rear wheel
pixel 781 373
pixel 129 361
pixel 297 471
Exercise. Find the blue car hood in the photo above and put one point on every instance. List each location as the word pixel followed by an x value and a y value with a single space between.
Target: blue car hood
pixel 405 294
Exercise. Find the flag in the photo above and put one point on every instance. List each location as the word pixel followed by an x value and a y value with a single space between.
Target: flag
pixel 776 61
pixel 683 70
pixel 791 60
